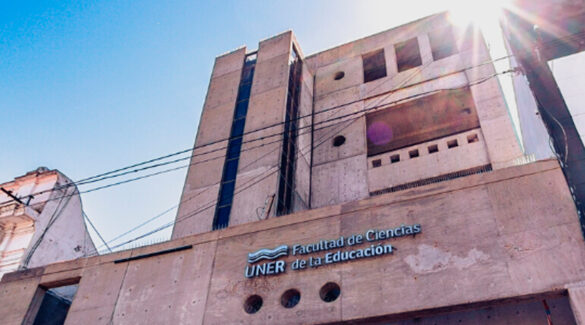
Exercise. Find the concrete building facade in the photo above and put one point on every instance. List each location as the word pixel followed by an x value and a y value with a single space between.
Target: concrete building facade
pixel 377 182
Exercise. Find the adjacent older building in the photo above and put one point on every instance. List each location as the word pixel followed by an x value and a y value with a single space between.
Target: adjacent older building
pixel 42 229
pixel 378 181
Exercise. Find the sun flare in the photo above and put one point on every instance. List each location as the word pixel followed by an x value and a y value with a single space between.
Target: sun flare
pixel 479 13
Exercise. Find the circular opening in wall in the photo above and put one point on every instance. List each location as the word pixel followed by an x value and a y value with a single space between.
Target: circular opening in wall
pixel 253 304
pixel 290 298
pixel 330 292
pixel 339 75
pixel 338 140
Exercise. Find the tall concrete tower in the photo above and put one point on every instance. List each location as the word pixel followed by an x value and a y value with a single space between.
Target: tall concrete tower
pixel 281 132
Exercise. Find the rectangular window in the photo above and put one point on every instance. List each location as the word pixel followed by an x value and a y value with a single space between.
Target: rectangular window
pixel 442 43
pixel 420 120
pixel 374 65
pixel 407 54
pixel 50 305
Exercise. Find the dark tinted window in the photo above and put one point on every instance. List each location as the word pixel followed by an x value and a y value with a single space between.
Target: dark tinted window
pixel 407 55
pixel 374 65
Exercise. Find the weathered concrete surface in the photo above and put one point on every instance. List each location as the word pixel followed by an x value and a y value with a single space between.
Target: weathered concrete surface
pixel 206 164
pixel 21 225
pixel 524 312
pixel 577 299
pixel 447 160
pixel 350 95
pixel 485 238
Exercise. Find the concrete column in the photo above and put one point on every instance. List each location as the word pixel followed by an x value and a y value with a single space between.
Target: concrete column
pixel 577 300
pixel 197 205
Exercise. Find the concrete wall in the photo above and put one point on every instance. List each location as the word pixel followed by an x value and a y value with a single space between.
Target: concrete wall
pixel 258 171
pixel 509 234
pixel 49 229
pixel 342 174
pixel 201 189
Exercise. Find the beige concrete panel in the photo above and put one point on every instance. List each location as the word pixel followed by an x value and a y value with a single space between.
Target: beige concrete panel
pixel 342 97
pixel 509 312
pixel 544 258
pixel 337 115
pixel 65 266
pixel 215 124
pixel 339 181
pixel 223 90
pixel 426 165
pixel 229 62
pixel 166 289
pixel 391 65
pixel 60 278
pixel 275 46
pixel 305 120
pixel 424 46
pixel 445 66
pixel 325 82
pixel 550 203
pixel 269 74
pixel 302 179
pixel 97 294
pixel 577 299
pixel 253 190
pixel 229 288
pixel 261 149
pixel 355 141
pixel 454 253
pixel 501 141
pixel 307 79
pixel 196 212
pixel 385 85
pixel 15 298
pixel 106 258
pixel 492 108
pixel 266 109
pixel 206 167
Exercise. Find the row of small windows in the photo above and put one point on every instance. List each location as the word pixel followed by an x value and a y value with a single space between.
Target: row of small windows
pixel 407 55
pixel 433 148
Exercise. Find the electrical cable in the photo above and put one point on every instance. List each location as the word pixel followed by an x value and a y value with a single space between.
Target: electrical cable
pixel 96 231
pixel 104 176
pixel 307 126
pixel 276 124
pixel 212 203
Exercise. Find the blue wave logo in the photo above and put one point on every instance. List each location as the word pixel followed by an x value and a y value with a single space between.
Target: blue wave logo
pixel 268 254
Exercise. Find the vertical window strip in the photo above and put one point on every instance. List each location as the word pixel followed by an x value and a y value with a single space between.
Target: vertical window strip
pixel 289 141
pixel 230 166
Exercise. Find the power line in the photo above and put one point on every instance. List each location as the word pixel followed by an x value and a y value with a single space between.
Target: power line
pixel 213 202
pixel 322 122
pixel 107 175
pixel 95 229
pixel 88 181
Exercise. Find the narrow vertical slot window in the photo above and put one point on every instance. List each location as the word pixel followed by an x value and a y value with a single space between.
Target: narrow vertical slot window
pixel 230 166
pixel 286 186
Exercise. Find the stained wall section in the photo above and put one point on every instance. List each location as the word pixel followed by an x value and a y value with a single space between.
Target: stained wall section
pixel 479 244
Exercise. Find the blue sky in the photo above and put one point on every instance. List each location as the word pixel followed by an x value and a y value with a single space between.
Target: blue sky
pixel 87 87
